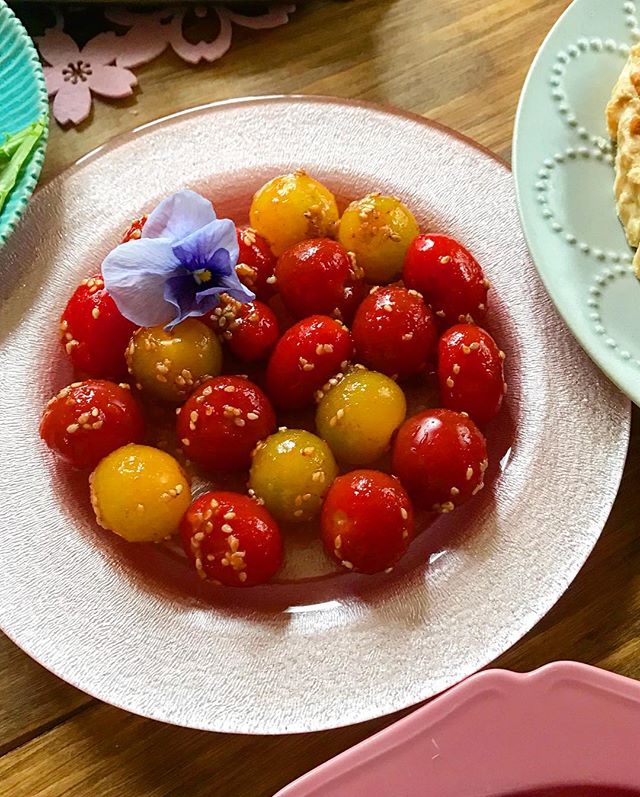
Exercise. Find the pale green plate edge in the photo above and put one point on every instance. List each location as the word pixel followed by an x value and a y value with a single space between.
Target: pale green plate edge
pixel 582 17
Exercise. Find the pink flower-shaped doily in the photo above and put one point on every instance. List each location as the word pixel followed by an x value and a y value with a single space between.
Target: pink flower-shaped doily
pixel 103 65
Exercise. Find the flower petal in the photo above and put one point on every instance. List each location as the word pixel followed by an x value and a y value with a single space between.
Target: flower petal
pixel 232 285
pixel 181 291
pixel 57 48
pixel 53 78
pixel 135 274
pixel 112 81
pixel 102 49
pixel 213 246
pixel 178 216
pixel 72 103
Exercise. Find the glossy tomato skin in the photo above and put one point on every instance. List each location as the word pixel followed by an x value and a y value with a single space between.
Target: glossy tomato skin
pixel 449 278
pixel 231 539
pixel 255 332
pixel 440 456
pixel 94 332
pixel 470 372
pixel 367 521
pixel 320 276
pixel 221 422
pixel 256 263
pixel 134 230
pixel 394 332
pixel 88 420
pixel 305 358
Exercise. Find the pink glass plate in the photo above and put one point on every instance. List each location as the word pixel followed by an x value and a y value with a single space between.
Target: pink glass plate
pixel 317 649
pixel 566 730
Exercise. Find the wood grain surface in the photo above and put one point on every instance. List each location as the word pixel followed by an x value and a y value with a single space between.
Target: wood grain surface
pixel 461 62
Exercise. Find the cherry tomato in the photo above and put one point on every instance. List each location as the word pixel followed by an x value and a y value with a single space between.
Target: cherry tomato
pixel 305 357
pixel 221 422
pixel 293 207
pixel 378 229
pixel 139 493
pixel 94 332
pixel 367 521
pixel 256 263
pixel 395 332
pixel 448 276
pixel 135 230
pixel 320 276
pixel 88 420
pixel 440 457
pixel 470 372
pixel 167 365
pixel 231 539
pixel 250 328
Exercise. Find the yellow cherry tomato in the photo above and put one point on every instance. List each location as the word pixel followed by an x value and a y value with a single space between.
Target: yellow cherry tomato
pixel 358 416
pixel 378 230
pixel 166 365
pixel 140 493
pixel 291 472
pixel 292 208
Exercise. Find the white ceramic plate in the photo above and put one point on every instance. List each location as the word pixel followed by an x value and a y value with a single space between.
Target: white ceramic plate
pixel 317 649
pixel 563 167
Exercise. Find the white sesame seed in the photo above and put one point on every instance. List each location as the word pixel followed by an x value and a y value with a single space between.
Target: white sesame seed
pixel 179 488
pixel 456 369
pixel 226 528
pixel 229 389
pixel 229 515
pixel 185 441
pixel 308 367
pixel 348 565
pixel 252 416
pixel 298 513
pixel 454 491
pixel 95 312
pixel 407 336
pixel 474 346
pixel 73 427
pixel 140 508
pixel 501 354
pixel 242 576
pixel 469 473
pixel 450 382
pixel 477 488
pixel 271 280
pixel 403 513
pixel 239 421
pixel 387 307
pixel 338 541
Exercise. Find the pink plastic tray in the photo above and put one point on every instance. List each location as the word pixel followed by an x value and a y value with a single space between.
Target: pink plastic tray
pixel 565 730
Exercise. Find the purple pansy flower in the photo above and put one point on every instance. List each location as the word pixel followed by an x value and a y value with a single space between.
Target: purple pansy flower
pixel 183 261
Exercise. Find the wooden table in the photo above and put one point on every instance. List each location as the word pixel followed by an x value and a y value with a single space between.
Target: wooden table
pixel 461 62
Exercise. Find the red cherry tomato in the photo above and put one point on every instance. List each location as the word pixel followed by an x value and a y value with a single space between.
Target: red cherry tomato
pixel 470 372
pixel 367 521
pixel 231 539
pixel 256 263
pixel 254 332
pixel 135 230
pixel 395 332
pixel 448 276
pixel 305 358
pixel 440 457
pixel 94 332
pixel 88 420
pixel 320 276
pixel 221 422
